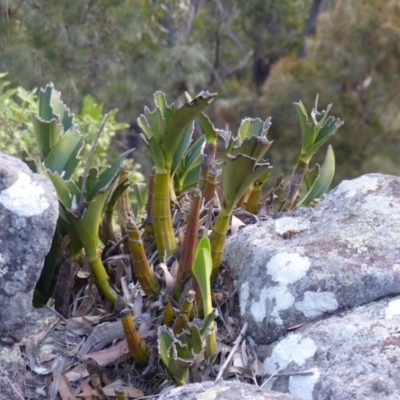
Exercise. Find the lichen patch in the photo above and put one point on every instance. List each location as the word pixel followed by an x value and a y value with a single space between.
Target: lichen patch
pixel 24 198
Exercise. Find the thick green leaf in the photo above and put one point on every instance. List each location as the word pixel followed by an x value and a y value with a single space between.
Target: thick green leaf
pixel 188 168
pixel 158 155
pixel 320 117
pixel 161 102
pixel 62 188
pixel 195 340
pixel 329 128
pixel 182 149
pixel 191 178
pixel 208 128
pixel 323 180
pixel 45 109
pixel 307 130
pixel 202 269
pixel 311 176
pixel 107 176
pixel 60 110
pixel 91 178
pixel 181 119
pixel 254 147
pixel 141 193
pixel 144 126
pixel 157 123
pixel 169 347
pixel 313 149
pixel 47 133
pixel 63 157
pixel 250 127
pixel 208 323
pixel 92 216
pixel 238 174
pixel 46 281
pixel 193 154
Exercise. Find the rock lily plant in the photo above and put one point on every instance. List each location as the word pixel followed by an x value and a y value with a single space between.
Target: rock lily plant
pixel 191 190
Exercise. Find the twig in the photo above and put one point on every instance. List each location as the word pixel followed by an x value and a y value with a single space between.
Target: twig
pixel 236 344
pixel 278 374
pixel 271 376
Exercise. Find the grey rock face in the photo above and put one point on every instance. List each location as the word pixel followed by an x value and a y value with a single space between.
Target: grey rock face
pixel 352 355
pixel 302 266
pixel 223 390
pixel 28 216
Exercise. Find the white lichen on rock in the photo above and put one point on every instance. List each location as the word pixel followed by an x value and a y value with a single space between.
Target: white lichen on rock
pixel 393 309
pixel 24 198
pixel 295 349
pixel 284 269
pixel 315 304
pixel 363 184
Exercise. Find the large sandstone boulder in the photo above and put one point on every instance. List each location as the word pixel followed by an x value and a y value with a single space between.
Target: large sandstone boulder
pixel 223 390
pixel 352 355
pixel 298 267
pixel 302 278
pixel 28 217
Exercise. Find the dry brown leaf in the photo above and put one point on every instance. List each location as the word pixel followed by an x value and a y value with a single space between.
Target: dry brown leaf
pixel 85 387
pixel 64 389
pixel 108 356
pixel 118 352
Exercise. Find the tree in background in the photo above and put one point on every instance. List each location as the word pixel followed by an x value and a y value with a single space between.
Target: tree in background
pixel 259 56
pixel 122 51
pixel 352 61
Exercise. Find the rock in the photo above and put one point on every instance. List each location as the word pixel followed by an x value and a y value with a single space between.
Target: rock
pixel 37 345
pixel 298 267
pixel 223 390
pixel 28 217
pixel 352 355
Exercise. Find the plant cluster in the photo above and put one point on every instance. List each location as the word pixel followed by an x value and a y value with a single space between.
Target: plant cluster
pixel 172 244
pixel 17 106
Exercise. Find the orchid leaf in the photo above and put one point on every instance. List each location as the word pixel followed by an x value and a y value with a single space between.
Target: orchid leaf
pixel 169 348
pixel 238 174
pixel 307 130
pixel 323 180
pixel 161 102
pixel 250 127
pixel 47 134
pixel 254 147
pixel 63 157
pixel 182 149
pixel 208 128
pixel 140 191
pixel 107 175
pixel 181 119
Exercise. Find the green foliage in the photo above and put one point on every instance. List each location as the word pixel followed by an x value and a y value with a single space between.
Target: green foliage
pixel 17 107
pixel 57 150
pixel 352 61
pixel 202 270
pixel 184 351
